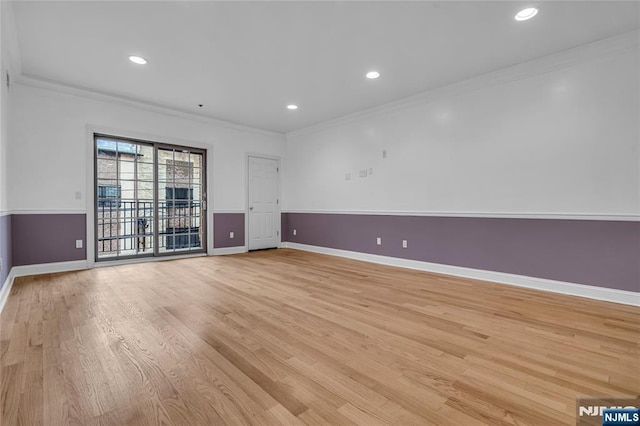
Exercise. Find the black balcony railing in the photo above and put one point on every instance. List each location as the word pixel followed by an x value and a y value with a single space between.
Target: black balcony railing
pixel 128 225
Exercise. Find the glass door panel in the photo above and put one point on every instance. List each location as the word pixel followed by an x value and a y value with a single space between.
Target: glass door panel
pixel 123 222
pixel 150 199
pixel 181 200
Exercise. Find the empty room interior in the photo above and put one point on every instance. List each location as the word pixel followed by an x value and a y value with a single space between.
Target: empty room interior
pixel 320 213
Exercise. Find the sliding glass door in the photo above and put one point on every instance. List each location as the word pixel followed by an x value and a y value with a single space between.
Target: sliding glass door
pixel 150 199
pixel 180 199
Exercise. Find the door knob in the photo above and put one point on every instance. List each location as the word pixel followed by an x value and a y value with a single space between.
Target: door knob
pixel 250 208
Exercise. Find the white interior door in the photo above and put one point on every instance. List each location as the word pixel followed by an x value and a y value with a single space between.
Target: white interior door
pixel 264 209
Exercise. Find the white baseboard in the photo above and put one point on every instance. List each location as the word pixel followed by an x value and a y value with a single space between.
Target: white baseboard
pixel 591 292
pixel 43 268
pixel 229 250
pixel 48 268
pixel 6 289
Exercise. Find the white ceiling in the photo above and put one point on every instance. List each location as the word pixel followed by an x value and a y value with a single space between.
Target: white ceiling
pixel 245 61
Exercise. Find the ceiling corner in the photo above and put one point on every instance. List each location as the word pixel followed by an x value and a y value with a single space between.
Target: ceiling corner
pixel 10 32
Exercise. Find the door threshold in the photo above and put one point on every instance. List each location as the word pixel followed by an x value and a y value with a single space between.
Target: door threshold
pixel 145 260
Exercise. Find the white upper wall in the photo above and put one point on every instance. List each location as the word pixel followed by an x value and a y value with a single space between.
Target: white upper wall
pixel 561 141
pixel 49 143
pixel 564 140
pixel 4 107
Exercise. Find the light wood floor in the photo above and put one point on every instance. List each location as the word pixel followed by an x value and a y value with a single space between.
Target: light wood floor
pixel 288 337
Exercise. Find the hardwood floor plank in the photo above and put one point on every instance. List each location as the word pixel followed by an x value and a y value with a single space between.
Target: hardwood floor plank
pixel 10 376
pixel 17 345
pixel 285 337
pixel 30 410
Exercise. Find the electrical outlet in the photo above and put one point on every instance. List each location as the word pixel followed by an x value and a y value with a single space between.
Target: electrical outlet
pixel 295 232
pixel 78 243
pixel 78 195
pixel 347 176
pixel 404 243
pixel 379 241
pixel 231 234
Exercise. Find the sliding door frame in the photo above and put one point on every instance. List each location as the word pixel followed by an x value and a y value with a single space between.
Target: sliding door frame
pixel 92 199
pixel 95 196
pixel 204 212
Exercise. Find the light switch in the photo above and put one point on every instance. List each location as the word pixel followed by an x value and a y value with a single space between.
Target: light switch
pixel 78 243
pixel 231 234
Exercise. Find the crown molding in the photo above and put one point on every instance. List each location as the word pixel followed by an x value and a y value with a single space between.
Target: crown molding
pixel 564 59
pixel 82 92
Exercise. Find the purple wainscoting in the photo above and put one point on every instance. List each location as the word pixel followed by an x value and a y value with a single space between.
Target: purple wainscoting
pixel 47 238
pixel 5 248
pixel 592 252
pixel 223 224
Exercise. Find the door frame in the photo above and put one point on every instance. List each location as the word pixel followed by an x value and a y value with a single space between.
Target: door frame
pixel 204 211
pixel 90 131
pixel 277 158
pixel 95 199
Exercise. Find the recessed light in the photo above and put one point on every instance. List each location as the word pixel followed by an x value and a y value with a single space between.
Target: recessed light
pixel 373 74
pixel 527 13
pixel 292 106
pixel 137 60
